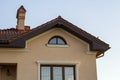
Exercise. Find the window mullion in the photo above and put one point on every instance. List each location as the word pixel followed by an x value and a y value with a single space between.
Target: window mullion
pixel 51 73
pixel 63 73
pixel 56 40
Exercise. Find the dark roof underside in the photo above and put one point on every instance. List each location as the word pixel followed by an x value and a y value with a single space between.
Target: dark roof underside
pixel 19 41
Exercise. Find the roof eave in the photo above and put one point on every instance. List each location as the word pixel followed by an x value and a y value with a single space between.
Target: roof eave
pixel 14 44
pixel 95 43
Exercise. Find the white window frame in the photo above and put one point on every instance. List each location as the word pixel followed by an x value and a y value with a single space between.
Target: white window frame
pixel 77 64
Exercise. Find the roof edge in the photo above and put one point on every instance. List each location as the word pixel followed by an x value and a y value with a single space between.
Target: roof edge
pixel 95 43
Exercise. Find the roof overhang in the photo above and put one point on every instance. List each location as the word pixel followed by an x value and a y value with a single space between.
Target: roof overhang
pixel 95 43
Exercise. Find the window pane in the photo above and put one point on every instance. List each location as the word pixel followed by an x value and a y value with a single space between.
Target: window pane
pixel 60 41
pixel 57 73
pixel 52 41
pixel 45 73
pixel 69 73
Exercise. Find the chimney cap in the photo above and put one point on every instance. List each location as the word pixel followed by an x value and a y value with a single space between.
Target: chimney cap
pixel 21 10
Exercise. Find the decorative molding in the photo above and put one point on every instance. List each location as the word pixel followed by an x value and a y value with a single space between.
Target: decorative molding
pixel 60 46
pixel 14 49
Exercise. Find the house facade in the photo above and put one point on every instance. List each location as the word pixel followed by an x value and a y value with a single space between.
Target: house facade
pixel 56 50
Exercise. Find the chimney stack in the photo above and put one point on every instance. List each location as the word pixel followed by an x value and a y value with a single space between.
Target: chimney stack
pixel 21 18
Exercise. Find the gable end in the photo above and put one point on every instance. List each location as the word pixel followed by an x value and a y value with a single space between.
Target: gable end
pixel 95 43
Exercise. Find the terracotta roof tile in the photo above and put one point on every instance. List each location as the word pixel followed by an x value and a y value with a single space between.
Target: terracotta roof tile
pixel 8 34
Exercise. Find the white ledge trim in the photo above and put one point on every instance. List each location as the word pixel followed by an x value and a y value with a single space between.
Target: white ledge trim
pixel 15 49
pixel 62 46
pixel 59 62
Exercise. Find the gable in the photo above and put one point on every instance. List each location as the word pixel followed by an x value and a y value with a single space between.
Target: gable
pixel 95 43
pixel 70 39
pixel 74 47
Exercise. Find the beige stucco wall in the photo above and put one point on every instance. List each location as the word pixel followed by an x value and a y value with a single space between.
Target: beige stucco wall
pixel 38 50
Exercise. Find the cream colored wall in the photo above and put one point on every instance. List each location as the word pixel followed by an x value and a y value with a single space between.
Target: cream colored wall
pixel 38 50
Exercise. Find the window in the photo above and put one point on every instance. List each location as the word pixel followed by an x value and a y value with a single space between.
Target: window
pixel 57 72
pixel 57 40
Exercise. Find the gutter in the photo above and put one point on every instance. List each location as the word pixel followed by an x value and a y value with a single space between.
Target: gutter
pixel 102 55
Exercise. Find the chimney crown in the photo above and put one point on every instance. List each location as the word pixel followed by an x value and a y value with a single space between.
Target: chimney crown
pixel 21 10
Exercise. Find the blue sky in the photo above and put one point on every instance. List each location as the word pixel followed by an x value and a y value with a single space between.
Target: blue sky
pixel 98 17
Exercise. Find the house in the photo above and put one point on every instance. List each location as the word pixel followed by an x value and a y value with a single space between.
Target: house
pixel 56 50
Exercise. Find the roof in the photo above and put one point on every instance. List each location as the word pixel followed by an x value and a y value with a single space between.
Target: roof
pixel 17 39
pixel 7 34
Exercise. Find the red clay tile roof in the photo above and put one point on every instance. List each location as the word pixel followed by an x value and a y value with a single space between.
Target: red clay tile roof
pixel 7 34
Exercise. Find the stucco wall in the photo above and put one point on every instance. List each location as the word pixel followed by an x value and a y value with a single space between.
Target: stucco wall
pixel 38 50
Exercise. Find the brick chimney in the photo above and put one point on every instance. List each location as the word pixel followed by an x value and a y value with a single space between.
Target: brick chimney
pixel 21 18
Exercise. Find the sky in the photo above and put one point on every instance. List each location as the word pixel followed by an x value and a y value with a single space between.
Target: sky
pixel 101 18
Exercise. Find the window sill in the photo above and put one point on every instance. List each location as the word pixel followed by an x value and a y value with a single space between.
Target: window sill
pixel 59 46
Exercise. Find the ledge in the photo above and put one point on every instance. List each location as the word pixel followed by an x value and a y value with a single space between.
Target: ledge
pixel 14 49
pixel 59 46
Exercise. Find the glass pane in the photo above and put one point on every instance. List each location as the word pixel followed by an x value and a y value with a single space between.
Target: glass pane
pixel 69 73
pixel 45 73
pixel 57 73
pixel 52 41
pixel 60 41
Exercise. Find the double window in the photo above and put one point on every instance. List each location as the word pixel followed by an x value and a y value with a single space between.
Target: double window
pixel 57 72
